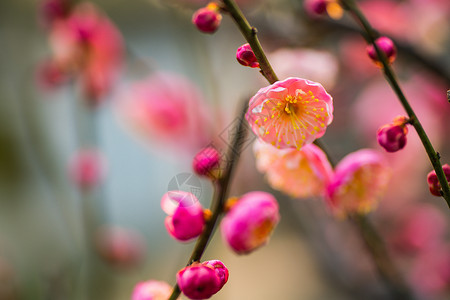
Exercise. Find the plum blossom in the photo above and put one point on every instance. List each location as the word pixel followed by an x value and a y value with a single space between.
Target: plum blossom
pixel 392 137
pixel 250 222
pixel 386 46
pixel 290 113
pixel 168 109
pixel 246 57
pixel 207 162
pixel 298 173
pixel 87 168
pixel 185 219
pixel 207 19
pixel 433 181
pixel 151 290
pixel 359 181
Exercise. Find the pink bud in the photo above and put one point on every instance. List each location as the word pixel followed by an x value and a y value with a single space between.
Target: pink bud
pixel 392 137
pixel 207 19
pixel 207 162
pixel 151 290
pixel 202 280
pixel 316 7
pixel 52 10
pixel 185 218
pixel 385 45
pixel 433 182
pixel 86 168
pixel 250 222
pixel 246 57
pixel 120 247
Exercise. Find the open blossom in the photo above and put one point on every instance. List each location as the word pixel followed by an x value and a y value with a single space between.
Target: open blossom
pixel 185 218
pixel 250 222
pixel 298 173
pixel 87 44
pixel 151 290
pixel 168 109
pixel 202 280
pixel 290 113
pixel 359 181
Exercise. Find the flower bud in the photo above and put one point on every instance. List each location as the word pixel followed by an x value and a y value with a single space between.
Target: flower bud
pixel 202 280
pixel 207 19
pixel 433 181
pixel 386 46
pixel 151 290
pixel 246 57
pixel 119 246
pixel 250 222
pixel 86 168
pixel 315 7
pixel 392 137
pixel 185 218
pixel 207 162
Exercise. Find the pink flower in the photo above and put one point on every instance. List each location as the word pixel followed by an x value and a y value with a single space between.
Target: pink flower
pixel 433 182
pixel 207 19
pixel 151 290
pixel 250 222
pixel 120 246
pixel 298 173
pixel 359 181
pixel 53 10
pixel 386 46
pixel 420 229
pixel 87 168
pixel 246 57
pixel 168 109
pixel 185 218
pixel 317 65
pixel 290 113
pixel 86 43
pixel 202 280
pixel 207 162
pixel 392 137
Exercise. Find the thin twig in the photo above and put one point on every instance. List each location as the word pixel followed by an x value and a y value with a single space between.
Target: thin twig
pixel 371 35
pixel 220 193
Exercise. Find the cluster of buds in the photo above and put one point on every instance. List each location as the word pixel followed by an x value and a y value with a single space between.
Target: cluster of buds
pixel 392 137
pixel 207 19
pixel 433 181
pixel 386 46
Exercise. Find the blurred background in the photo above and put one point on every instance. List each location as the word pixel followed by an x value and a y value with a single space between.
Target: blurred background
pixel 94 236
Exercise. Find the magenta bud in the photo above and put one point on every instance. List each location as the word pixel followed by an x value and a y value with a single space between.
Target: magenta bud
pixel 207 162
pixel 185 218
pixel 207 19
pixel 316 7
pixel 433 181
pixel 202 280
pixel 392 137
pixel 250 222
pixel 385 45
pixel 246 57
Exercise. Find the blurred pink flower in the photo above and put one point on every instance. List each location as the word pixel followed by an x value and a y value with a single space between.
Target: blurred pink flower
pixel 88 44
pixel 87 168
pixel 316 65
pixel 420 228
pixel 359 181
pixel 250 222
pixel 290 113
pixel 202 280
pixel 167 109
pixel 430 273
pixel 151 290
pixel 120 246
pixel 185 219
pixel 298 173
